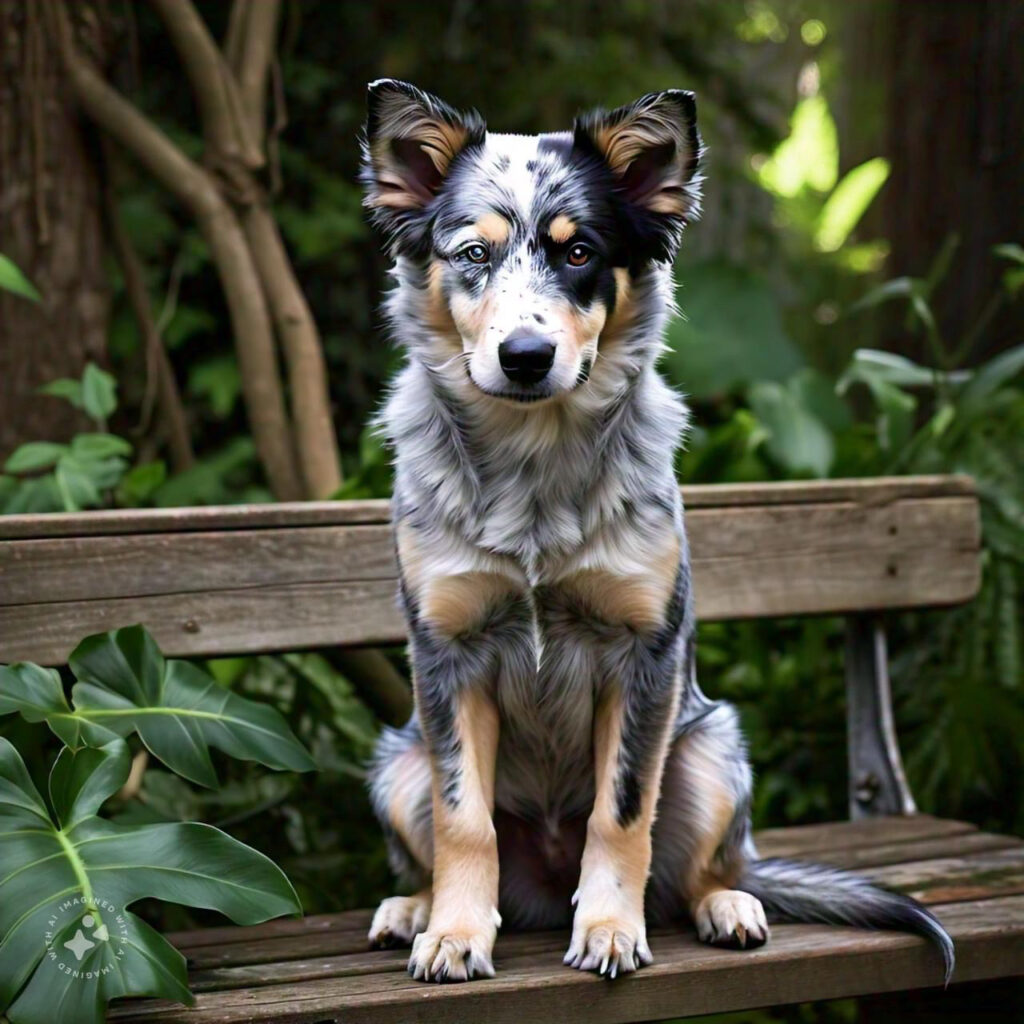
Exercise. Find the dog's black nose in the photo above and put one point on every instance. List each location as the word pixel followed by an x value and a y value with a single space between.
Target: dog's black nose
pixel 525 358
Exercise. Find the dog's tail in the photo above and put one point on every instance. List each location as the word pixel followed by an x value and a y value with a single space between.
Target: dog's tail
pixel 794 891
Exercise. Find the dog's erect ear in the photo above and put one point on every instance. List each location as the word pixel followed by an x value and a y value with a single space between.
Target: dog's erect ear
pixel 652 148
pixel 410 142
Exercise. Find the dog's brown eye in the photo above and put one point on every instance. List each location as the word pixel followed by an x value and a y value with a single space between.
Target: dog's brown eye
pixel 476 253
pixel 578 256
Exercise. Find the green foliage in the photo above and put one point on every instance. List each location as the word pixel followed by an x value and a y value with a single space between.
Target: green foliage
pixel 885 414
pixel 14 281
pixel 125 686
pixel 710 348
pixel 371 477
pixel 67 937
pixel 41 476
pixel 318 826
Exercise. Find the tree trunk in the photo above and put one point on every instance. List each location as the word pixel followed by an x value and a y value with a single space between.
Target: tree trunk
pixel 51 227
pixel 955 109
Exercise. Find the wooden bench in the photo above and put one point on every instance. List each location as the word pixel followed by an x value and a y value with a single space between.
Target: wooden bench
pixel 236 580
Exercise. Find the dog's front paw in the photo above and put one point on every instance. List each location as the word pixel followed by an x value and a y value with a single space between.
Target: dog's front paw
pixel 611 947
pixel 732 919
pixel 399 919
pixel 452 955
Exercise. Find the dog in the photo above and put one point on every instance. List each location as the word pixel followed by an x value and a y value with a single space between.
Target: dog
pixel 562 764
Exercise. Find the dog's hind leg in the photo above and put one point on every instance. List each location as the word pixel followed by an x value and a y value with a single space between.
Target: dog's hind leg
pixel 702 835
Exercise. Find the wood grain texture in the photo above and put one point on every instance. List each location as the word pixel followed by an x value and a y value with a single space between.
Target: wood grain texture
pixel 320 969
pixel 843 843
pixel 953 878
pixel 800 963
pixel 233 581
pixel 869 490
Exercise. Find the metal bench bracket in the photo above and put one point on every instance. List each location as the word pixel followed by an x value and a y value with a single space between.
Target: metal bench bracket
pixel 877 782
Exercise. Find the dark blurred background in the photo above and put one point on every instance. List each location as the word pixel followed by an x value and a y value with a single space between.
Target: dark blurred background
pixel 858 262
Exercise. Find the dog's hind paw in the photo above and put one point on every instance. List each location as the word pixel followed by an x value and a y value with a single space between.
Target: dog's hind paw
pixel 732 919
pixel 399 919
pixel 608 947
pixel 451 956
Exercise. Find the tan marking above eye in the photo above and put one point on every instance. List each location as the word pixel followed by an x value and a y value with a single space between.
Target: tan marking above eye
pixel 561 229
pixel 494 228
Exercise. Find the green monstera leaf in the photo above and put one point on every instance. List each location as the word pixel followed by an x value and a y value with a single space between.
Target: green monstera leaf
pixel 68 943
pixel 125 685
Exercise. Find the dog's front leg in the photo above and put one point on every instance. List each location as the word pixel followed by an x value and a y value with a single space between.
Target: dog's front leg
pixel 464 917
pixel 632 725
pixel 467 630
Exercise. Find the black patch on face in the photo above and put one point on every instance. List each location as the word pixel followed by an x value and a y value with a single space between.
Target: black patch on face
pixel 558 143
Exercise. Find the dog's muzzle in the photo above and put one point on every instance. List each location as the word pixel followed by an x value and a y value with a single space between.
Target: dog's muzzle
pixel 525 358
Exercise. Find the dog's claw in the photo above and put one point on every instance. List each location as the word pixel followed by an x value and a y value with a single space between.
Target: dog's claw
pixel 609 949
pixel 732 919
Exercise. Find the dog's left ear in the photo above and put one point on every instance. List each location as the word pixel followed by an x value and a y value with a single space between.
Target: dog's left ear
pixel 652 148
pixel 411 140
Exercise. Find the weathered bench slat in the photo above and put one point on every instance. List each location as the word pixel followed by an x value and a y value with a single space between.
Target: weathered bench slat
pixel 292 578
pixel 941 880
pixel 887 841
pixel 801 840
pixel 802 962
pixel 319 968
pixel 119 522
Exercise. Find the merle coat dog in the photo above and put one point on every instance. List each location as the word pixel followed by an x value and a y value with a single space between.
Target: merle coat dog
pixel 562 763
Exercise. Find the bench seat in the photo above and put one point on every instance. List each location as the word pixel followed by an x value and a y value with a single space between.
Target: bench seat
pixel 319 969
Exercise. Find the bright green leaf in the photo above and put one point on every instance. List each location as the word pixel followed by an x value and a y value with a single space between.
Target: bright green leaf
pixel 33 456
pixel 36 494
pixel 809 157
pixel 796 437
pixel 13 280
pixel 67 939
pixel 846 205
pixel 1010 251
pixel 897 288
pixel 875 364
pixel 78 489
pixel 99 446
pixel 65 387
pixel 179 712
pixel 33 691
pixel 989 378
pixel 99 393
pixel 885 375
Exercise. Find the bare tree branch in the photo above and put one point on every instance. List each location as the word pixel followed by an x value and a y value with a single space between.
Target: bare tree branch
pixel 197 190
pixel 225 127
pixel 315 439
pixel 234 37
pixel 255 58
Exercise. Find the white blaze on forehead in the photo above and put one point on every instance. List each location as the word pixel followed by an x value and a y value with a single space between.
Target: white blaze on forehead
pixel 517 179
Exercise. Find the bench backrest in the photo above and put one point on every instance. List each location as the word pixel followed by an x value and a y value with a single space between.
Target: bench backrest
pixel 241 579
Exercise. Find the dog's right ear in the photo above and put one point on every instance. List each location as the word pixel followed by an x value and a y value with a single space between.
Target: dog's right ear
pixel 411 139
